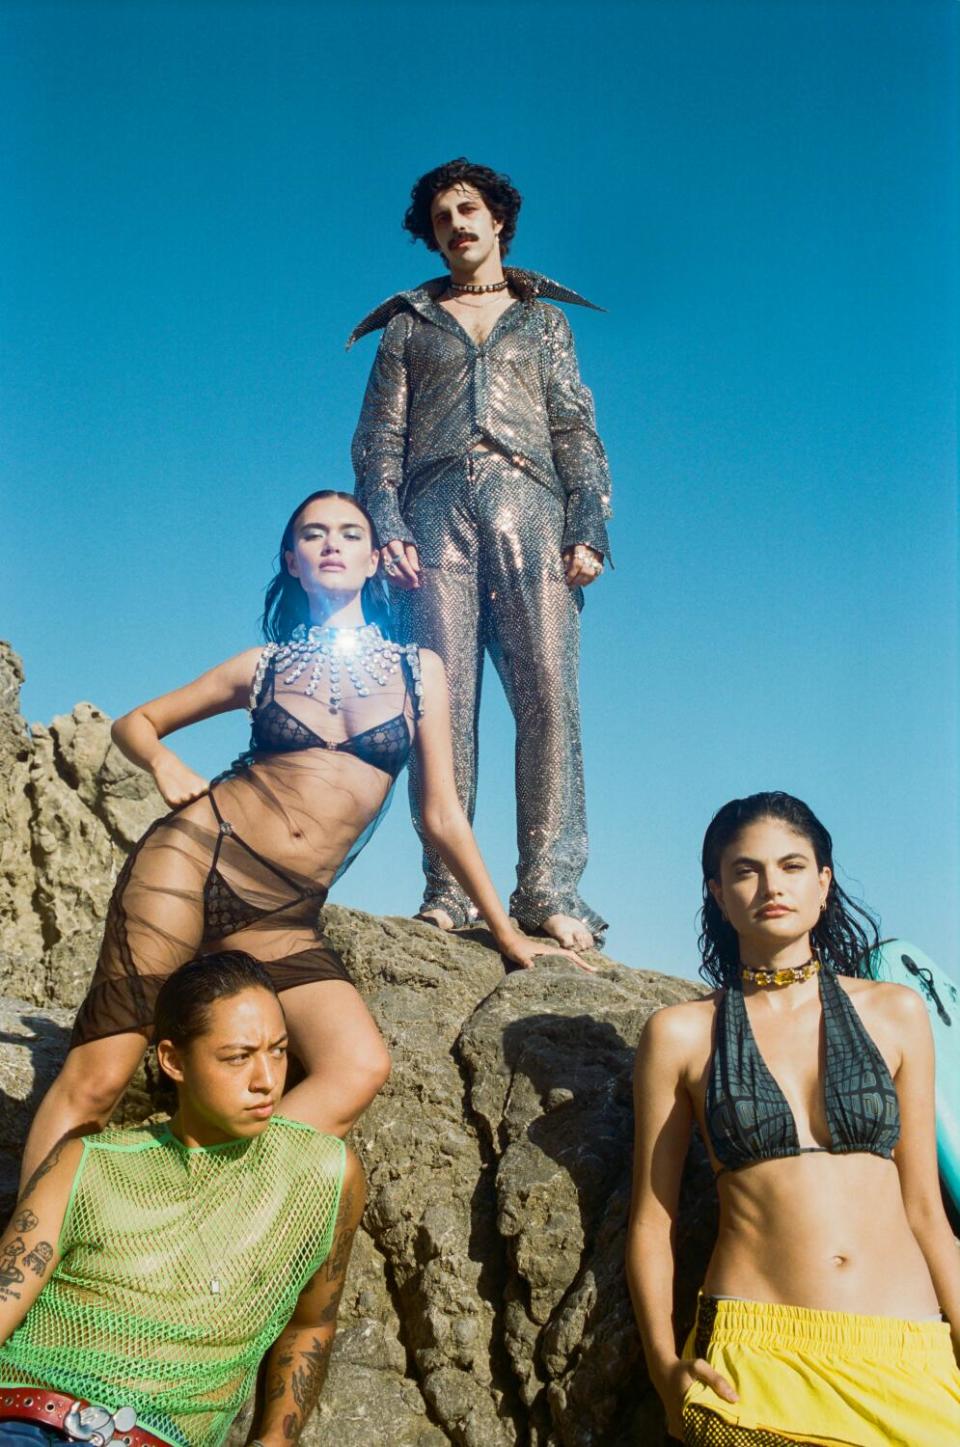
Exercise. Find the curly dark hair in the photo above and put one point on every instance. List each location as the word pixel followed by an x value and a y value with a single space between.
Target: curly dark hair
pixel 842 943
pixel 501 196
pixel 285 603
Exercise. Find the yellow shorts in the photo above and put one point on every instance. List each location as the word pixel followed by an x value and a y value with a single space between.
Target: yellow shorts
pixel 821 1377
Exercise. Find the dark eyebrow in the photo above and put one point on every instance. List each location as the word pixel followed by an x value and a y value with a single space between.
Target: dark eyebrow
pixel 794 854
pixel 345 523
pixel 247 1045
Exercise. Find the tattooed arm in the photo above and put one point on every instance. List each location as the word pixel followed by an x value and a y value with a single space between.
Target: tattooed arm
pixel 28 1247
pixel 298 1361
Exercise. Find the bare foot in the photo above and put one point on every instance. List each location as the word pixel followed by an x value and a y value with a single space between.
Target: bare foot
pixel 571 933
pixel 439 917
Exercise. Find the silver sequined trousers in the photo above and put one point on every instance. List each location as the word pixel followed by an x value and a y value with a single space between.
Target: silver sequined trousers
pixel 492 581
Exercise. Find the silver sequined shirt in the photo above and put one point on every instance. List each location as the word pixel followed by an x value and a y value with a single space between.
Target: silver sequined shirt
pixel 434 392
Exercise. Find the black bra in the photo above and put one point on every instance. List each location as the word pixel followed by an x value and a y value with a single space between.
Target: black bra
pixel 747 1115
pixel 277 731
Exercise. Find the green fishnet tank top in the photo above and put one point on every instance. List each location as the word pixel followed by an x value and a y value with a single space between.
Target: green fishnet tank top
pixel 179 1268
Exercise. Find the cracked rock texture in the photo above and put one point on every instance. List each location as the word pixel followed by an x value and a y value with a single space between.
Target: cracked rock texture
pixel 70 808
pixel 485 1304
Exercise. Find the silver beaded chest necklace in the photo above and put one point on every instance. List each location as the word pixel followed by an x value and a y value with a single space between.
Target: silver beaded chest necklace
pixel 361 654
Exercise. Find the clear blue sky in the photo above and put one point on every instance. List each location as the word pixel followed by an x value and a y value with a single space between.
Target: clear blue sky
pixel 197 202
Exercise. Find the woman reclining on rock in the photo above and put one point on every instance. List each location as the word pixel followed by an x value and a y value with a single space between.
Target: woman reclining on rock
pixel 245 862
pixel 812 1086
pixel 147 1272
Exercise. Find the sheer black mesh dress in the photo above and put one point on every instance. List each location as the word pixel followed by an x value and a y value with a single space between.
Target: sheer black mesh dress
pixel 248 865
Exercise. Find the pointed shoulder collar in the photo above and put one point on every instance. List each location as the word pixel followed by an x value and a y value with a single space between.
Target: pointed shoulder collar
pixel 526 285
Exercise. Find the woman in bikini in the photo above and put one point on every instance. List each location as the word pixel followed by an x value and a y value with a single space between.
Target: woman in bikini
pixel 245 862
pixel 812 1085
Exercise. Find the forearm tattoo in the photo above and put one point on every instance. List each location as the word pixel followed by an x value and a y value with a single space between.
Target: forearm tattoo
pixel 305 1385
pixel 45 1166
pixel 14 1255
pixel 335 1265
pixel 10 1273
pixel 277 1378
pixel 39 1257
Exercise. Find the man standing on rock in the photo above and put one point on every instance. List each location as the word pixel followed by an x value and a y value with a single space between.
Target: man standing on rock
pixel 477 455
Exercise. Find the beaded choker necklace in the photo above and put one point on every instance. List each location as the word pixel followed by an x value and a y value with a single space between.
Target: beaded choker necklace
pixel 459 288
pixel 362 653
pixel 333 651
pixel 791 976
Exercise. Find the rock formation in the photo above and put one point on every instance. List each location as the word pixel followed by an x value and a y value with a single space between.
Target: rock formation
pixel 485 1304
pixel 70 808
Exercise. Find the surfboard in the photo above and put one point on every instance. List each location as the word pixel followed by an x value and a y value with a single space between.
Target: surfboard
pixel 905 964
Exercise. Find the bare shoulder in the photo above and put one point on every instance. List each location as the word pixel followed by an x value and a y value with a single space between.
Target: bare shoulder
pixel 249 658
pixel 353 1175
pixel 353 1193
pixel 432 669
pixel 240 668
pixel 895 1016
pixel 681 1030
pixel 884 1000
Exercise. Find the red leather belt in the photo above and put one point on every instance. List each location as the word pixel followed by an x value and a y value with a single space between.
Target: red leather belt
pixel 80 1421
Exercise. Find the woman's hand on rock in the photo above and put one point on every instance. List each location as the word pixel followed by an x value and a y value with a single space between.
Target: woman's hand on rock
pixel 674 1384
pixel 175 780
pixel 520 950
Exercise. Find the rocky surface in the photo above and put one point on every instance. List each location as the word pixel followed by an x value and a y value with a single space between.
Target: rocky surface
pixel 70 808
pixel 485 1304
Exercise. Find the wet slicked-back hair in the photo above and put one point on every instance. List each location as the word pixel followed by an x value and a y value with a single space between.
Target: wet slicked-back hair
pixel 182 1011
pixel 285 604
pixel 501 196
pixel 839 939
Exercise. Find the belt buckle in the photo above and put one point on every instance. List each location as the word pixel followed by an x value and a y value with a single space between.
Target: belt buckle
pixel 97 1425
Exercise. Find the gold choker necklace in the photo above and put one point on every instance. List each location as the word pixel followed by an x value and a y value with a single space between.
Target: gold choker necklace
pixel 790 976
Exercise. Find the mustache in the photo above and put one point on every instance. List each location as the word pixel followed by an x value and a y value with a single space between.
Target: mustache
pixel 463 236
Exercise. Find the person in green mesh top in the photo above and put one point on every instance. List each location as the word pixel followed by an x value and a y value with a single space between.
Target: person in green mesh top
pixel 146 1272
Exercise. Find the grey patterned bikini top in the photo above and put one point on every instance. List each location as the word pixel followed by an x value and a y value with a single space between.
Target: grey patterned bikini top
pixel 747 1115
